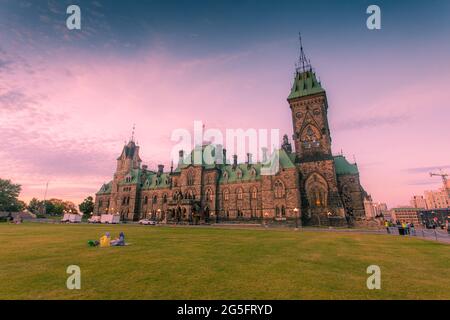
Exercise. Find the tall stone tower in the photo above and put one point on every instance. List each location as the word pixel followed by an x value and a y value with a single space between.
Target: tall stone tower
pixel 126 185
pixel 314 160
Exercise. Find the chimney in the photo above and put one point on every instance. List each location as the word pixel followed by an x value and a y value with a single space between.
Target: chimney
pixel 224 151
pixel 264 154
pixel 249 159
pixel 144 168
pixel 181 157
pixel 218 154
pixel 160 169
pixel 234 161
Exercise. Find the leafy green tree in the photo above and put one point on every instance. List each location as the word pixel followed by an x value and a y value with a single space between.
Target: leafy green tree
pixel 9 193
pixel 87 206
pixel 35 206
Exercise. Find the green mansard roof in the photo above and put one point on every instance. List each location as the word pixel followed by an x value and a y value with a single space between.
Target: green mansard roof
pixel 106 188
pixel 305 84
pixel 344 167
pixel 286 161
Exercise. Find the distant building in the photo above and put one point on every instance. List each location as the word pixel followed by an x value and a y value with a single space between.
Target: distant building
pixel 374 209
pixel 406 214
pixel 418 202
pixel 437 199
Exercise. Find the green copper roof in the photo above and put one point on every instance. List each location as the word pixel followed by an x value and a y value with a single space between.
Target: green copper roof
pixel 286 161
pixel 305 84
pixel 344 167
pixel 155 181
pixel 105 189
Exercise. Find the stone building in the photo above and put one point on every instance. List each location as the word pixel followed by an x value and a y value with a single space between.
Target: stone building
pixel 311 183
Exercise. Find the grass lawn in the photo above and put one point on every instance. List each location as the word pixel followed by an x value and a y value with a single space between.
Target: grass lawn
pixel 211 263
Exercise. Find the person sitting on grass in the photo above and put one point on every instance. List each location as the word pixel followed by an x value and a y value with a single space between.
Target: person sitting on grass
pixel 119 241
pixel 105 241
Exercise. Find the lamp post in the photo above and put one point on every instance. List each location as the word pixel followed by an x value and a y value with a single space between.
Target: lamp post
pixel 265 219
pixel 159 213
pixel 296 218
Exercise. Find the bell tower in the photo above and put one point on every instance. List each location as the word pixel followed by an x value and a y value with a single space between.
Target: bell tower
pixel 308 103
pixel 314 160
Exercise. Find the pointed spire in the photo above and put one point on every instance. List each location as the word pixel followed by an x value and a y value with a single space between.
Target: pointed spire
pixel 132 132
pixel 303 63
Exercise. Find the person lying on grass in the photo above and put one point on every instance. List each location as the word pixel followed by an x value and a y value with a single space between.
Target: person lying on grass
pixel 119 241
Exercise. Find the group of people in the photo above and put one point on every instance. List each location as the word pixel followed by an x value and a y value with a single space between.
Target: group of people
pixel 404 228
pixel 105 241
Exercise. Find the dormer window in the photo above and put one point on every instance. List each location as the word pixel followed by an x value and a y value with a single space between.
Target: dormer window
pixel 128 179
pixel 225 175
pixel 239 174
pixel 240 193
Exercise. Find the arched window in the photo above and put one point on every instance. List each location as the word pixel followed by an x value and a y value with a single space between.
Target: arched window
pixel 100 203
pixel 239 193
pixel 145 200
pixel 317 190
pixel 254 193
pixel 226 194
pixel 209 195
pixel 155 199
pixel 190 178
pixel 283 211
pixel 279 189
pixel 165 198
pixel 277 211
pixel 253 173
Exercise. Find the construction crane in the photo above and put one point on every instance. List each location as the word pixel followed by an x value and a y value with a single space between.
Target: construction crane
pixel 444 179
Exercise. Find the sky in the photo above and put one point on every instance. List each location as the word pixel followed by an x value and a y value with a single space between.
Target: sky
pixel 69 98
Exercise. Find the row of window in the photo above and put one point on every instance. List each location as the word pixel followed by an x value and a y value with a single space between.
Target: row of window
pixel 279 191
pixel 155 199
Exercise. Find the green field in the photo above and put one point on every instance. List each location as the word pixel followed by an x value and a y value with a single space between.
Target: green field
pixel 215 263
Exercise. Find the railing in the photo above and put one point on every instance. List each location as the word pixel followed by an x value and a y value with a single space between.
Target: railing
pixel 424 233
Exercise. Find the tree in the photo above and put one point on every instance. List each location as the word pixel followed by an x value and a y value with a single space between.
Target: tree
pixel 35 206
pixel 87 206
pixel 9 193
pixel 54 207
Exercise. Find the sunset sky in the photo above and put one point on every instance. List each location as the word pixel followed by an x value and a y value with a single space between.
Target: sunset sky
pixel 69 98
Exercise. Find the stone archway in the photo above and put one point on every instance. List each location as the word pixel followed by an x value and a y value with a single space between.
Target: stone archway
pixel 316 188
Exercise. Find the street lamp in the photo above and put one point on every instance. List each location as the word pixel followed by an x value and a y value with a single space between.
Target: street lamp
pixel 296 218
pixel 266 215
pixel 159 213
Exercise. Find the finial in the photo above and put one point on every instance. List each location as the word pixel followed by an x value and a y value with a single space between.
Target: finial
pixel 303 63
pixel 132 132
